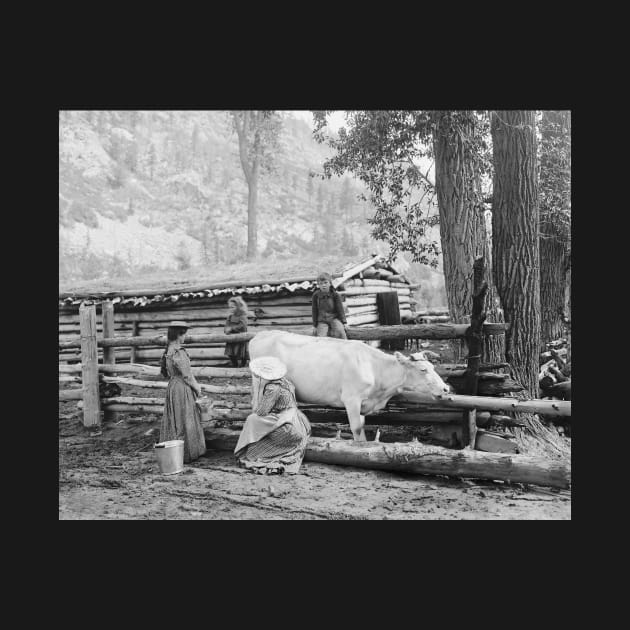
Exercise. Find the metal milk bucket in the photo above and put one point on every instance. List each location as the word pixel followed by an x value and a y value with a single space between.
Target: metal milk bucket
pixel 170 456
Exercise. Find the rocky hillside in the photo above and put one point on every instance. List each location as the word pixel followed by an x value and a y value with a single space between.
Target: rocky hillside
pixel 147 190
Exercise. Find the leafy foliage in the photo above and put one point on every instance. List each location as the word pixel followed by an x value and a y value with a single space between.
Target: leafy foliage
pixel 262 130
pixel 555 175
pixel 384 149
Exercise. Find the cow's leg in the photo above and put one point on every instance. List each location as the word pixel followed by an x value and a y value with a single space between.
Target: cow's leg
pixel 355 419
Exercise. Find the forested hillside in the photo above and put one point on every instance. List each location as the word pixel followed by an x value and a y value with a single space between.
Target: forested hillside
pixel 165 189
pixel 141 191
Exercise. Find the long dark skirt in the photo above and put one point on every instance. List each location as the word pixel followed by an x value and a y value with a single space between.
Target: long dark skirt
pixel 182 419
pixel 237 352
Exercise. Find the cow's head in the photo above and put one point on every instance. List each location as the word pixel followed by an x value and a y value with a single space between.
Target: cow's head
pixel 421 377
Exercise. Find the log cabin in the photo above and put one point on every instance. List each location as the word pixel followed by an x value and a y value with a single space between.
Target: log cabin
pixel 275 300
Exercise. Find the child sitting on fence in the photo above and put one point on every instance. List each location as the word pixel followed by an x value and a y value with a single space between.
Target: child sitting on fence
pixel 235 323
pixel 329 318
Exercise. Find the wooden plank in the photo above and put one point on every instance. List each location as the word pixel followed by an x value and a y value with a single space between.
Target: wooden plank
pixel 554 408
pixel 355 270
pixel 494 444
pixel 423 331
pixel 135 333
pixel 109 353
pixel 89 365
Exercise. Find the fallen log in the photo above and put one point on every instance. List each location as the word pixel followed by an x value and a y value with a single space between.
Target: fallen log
pixel 418 458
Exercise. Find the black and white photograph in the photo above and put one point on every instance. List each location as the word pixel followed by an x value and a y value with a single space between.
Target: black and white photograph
pixel 308 314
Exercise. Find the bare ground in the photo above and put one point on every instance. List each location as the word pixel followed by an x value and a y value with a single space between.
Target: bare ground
pixel 113 475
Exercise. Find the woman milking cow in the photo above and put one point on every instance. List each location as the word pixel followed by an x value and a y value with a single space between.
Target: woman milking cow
pixel 274 436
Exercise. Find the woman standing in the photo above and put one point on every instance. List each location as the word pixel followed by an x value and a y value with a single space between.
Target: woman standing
pixel 182 417
pixel 236 323
pixel 274 436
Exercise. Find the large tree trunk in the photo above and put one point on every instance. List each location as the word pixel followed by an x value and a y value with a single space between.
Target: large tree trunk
pixel 463 233
pixel 516 261
pixel 243 124
pixel 554 254
pixel 555 205
pixel 515 223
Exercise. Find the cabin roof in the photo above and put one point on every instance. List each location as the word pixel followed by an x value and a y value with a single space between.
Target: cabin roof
pixel 244 278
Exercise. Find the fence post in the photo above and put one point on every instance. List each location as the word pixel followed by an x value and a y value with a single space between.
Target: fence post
pixel 109 353
pixel 89 365
pixel 134 333
pixel 474 337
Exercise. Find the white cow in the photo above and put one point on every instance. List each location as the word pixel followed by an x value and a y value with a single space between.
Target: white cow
pixel 347 373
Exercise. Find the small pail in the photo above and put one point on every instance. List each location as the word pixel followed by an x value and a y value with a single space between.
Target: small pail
pixel 205 407
pixel 170 456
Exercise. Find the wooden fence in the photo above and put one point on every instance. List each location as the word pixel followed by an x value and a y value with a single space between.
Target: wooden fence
pixel 407 409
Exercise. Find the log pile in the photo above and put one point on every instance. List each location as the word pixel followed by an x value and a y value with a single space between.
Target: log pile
pixel 554 378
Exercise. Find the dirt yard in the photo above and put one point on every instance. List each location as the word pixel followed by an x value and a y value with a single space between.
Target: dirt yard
pixel 113 475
